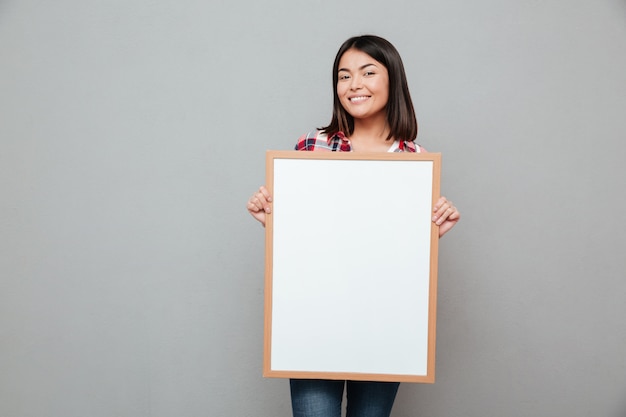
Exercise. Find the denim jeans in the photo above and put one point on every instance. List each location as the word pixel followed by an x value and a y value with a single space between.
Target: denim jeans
pixel 322 398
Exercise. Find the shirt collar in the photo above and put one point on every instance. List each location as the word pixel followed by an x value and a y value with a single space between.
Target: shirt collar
pixel 338 135
pixel 403 145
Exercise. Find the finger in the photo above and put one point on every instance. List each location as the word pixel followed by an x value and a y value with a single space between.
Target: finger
pixel 443 215
pixel 257 201
pixel 252 206
pixel 260 200
pixel 266 194
pixel 455 215
pixel 442 200
pixel 441 206
pixel 443 209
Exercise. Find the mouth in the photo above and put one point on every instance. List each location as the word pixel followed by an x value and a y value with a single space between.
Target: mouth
pixel 358 99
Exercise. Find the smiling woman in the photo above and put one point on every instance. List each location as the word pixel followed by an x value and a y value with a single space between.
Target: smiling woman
pixel 372 112
pixel 363 91
pixel 400 121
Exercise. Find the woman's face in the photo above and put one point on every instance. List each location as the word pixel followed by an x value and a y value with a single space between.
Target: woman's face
pixel 362 85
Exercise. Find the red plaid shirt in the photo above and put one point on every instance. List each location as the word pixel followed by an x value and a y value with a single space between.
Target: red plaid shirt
pixel 317 141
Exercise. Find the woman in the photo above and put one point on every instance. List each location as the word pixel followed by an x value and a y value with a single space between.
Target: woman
pixel 372 112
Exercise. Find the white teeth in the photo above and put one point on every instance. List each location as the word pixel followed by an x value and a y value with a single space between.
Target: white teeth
pixel 361 98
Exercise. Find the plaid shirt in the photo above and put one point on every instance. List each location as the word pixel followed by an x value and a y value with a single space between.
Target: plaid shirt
pixel 318 141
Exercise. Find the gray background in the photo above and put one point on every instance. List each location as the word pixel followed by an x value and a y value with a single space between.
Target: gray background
pixel 133 131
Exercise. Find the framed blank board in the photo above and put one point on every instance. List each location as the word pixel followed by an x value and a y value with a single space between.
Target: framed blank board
pixel 351 266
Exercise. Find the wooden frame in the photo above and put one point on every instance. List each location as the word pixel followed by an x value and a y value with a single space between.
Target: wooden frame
pixel 351 266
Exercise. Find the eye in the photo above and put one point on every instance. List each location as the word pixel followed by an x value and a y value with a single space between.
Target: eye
pixel 343 77
pixel 369 73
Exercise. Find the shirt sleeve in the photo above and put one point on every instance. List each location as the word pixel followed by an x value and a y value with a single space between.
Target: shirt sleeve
pixel 301 144
pixel 307 142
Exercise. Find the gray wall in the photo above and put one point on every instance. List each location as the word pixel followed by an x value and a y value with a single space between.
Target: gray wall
pixel 133 131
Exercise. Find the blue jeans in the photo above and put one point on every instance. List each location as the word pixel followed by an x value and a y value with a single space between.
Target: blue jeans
pixel 322 398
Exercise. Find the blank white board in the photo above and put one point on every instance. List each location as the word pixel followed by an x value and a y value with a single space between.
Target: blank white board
pixel 351 266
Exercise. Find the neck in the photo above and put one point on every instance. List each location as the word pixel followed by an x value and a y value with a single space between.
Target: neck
pixel 370 134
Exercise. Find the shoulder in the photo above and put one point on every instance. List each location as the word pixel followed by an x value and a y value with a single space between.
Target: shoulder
pixel 310 141
pixel 409 146
pixel 317 140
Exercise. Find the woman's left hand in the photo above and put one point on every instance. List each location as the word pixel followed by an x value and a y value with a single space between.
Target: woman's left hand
pixel 445 215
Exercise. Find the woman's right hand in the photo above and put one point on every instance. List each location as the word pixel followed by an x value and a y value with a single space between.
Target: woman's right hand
pixel 259 204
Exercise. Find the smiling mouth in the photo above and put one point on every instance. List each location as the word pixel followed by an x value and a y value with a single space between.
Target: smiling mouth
pixel 358 99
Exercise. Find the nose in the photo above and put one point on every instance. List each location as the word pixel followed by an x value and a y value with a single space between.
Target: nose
pixel 355 82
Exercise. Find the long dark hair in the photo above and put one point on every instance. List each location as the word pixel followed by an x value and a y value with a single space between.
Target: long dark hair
pixel 400 112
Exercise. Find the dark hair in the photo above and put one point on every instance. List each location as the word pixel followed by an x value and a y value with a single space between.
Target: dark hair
pixel 400 111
